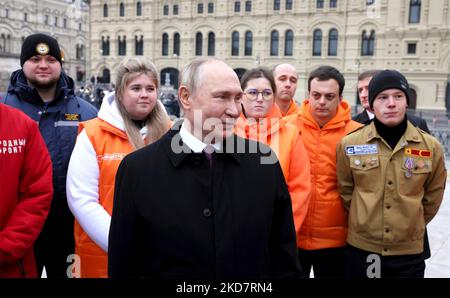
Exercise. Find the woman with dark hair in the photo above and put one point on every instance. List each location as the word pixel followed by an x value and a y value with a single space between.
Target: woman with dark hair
pixel 261 120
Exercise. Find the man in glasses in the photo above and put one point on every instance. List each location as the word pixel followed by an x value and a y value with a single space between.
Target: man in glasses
pixel 323 120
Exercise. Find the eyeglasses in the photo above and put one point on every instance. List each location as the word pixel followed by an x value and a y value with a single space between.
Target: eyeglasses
pixel 252 94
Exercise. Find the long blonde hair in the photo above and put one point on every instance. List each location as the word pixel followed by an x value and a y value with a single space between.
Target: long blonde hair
pixel 157 120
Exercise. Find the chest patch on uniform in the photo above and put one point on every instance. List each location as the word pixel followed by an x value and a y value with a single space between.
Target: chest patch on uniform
pixel 418 152
pixel 72 117
pixel 361 149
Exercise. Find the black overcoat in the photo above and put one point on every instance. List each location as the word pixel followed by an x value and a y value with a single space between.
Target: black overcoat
pixel 174 216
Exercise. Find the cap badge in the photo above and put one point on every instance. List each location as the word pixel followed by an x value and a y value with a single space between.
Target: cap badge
pixel 42 48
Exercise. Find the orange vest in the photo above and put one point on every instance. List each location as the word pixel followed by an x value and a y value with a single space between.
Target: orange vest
pixel 325 225
pixel 111 146
pixel 285 140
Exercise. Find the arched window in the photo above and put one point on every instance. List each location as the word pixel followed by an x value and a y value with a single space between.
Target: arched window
pixel 107 46
pixel 371 42
pixel 414 11
pixel 364 44
pixel 122 9
pixel 77 51
pixel 289 43
pixel 4 42
pixel 235 43
pixel 165 44
pixel 105 10
pixel 367 43
pixel 211 44
pixel 332 42
pixel 274 43
pixel 198 44
pixel 176 43
pixel 106 76
pixel 122 45
pixel 248 43
pixel 139 9
pixel 103 48
pixel 139 45
pixel 317 42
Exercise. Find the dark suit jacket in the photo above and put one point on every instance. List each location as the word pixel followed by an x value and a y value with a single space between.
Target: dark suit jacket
pixel 415 120
pixel 174 216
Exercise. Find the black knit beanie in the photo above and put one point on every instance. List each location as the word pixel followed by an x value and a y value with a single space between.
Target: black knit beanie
pixel 387 79
pixel 39 44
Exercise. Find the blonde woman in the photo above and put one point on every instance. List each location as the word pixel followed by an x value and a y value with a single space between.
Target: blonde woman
pixel 129 118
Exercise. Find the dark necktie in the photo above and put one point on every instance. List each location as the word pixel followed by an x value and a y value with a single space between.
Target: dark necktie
pixel 208 151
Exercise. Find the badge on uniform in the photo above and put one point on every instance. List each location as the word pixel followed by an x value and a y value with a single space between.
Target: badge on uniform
pixel 361 149
pixel 418 152
pixel 409 165
pixel 72 117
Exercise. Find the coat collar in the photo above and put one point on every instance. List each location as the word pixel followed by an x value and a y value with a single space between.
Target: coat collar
pixel 178 151
pixel 411 134
pixel 19 85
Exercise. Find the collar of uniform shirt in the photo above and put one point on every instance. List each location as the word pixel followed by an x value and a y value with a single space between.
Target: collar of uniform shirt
pixel 193 143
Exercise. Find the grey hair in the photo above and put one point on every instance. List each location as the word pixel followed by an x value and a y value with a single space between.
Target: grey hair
pixel 191 75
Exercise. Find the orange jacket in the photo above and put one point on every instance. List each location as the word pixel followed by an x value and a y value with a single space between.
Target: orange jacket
pixel 111 145
pixel 100 148
pixel 325 225
pixel 284 139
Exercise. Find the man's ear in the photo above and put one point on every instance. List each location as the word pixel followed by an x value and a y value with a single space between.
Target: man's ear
pixel 184 97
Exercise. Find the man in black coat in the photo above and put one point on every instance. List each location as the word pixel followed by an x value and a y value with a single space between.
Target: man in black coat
pixel 366 117
pixel 202 202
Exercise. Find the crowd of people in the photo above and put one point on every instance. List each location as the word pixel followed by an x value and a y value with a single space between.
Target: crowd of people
pixel 247 185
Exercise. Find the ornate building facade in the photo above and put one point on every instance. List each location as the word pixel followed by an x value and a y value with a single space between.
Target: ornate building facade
pixel 66 20
pixel 412 36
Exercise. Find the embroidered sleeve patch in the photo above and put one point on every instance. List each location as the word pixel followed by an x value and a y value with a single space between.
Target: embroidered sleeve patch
pixel 418 152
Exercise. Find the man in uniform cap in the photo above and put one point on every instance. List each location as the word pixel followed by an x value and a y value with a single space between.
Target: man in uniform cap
pixel 46 94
